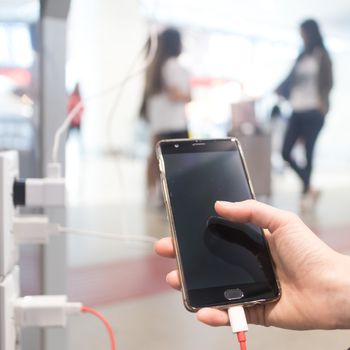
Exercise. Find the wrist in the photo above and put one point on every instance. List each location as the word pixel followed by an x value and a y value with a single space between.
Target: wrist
pixel 339 293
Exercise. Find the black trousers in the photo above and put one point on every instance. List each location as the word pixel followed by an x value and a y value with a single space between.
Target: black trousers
pixel 304 126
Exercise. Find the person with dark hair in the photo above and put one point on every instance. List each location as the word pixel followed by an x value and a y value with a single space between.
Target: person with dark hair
pixel 167 90
pixel 307 88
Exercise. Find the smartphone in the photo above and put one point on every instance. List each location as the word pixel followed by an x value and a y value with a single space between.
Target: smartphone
pixel 221 263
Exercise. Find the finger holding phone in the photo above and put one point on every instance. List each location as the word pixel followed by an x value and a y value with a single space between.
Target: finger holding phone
pixel 313 278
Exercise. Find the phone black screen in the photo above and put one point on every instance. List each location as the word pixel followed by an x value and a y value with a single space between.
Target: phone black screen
pixel 216 256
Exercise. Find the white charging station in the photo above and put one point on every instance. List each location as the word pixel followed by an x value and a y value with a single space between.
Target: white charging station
pixel 9 292
pixel 9 170
pixel 46 192
pixel 9 272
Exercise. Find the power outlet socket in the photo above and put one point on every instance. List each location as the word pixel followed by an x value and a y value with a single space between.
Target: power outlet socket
pixel 9 292
pixel 9 170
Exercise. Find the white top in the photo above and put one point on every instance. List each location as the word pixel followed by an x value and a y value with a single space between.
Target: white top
pixel 164 114
pixel 304 94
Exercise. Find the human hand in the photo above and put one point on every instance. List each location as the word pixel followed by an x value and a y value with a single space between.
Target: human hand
pixel 313 277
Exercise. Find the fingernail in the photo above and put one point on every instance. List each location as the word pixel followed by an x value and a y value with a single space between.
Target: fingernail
pixel 167 276
pixel 224 203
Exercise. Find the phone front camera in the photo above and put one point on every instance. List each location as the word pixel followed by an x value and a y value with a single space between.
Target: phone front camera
pixel 176 145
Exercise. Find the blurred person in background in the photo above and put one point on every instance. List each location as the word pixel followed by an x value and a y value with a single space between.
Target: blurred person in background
pixel 167 91
pixel 73 100
pixel 307 88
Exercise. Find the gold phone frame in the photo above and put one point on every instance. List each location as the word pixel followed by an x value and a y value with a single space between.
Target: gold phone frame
pixel 170 216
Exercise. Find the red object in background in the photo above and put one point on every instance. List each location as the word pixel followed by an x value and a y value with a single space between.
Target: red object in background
pixel 73 100
pixel 21 76
pixel 198 82
pixel 208 81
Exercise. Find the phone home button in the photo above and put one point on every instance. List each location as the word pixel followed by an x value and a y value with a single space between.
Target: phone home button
pixel 233 294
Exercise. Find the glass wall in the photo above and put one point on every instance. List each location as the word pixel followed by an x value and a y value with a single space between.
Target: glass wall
pixel 19 81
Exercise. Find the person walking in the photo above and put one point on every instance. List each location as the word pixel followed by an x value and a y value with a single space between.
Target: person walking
pixel 167 91
pixel 307 88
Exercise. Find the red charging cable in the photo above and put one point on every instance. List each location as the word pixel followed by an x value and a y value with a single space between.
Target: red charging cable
pixel 105 322
pixel 239 325
pixel 242 340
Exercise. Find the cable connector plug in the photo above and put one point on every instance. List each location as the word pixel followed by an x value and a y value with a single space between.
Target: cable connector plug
pixel 49 191
pixel 238 324
pixel 33 229
pixel 53 311
pixel 44 311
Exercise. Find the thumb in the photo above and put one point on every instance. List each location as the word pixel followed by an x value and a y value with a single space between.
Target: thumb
pixel 254 212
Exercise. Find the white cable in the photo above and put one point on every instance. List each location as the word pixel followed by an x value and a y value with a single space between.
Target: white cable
pixel 75 110
pixel 63 128
pixel 38 229
pixel 110 117
pixel 115 236
pixel 149 59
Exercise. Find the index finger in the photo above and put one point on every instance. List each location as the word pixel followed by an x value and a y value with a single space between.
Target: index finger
pixel 257 213
pixel 165 247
